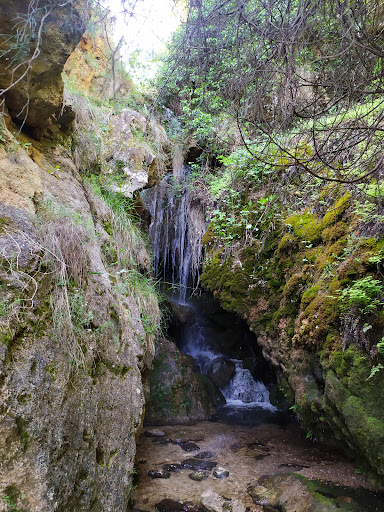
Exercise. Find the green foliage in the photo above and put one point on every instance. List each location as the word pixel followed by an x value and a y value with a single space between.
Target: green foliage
pixel 363 295
pixel 374 370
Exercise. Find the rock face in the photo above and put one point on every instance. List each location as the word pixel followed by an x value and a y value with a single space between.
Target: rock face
pixel 133 157
pixel 73 347
pixel 178 394
pixel 327 359
pixel 37 42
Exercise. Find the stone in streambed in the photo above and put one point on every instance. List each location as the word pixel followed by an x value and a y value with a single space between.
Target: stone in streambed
pixel 220 472
pixel 189 446
pixel 173 468
pixel 198 465
pixel 154 433
pixel 213 502
pixel 198 476
pixel 161 440
pixel 235 447
pixel 221 371
pixel 168 505
pixel 204 455
pixel 159 473
pixel 294 493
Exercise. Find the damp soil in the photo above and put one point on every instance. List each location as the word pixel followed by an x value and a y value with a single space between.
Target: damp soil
pixel 248 452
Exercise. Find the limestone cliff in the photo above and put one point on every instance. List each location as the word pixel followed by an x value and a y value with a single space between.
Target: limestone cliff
pixel 36 40
pixel 78 313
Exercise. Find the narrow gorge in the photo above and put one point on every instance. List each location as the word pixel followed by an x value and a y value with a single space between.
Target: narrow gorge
pixel 191 272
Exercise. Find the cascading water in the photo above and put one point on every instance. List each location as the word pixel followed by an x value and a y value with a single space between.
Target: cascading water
pixel 176 230
pixel 243 390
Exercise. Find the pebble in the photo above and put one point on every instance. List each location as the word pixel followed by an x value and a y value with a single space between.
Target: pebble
pixel 173 468
pixel 159 473
pixel 161 440
pixel 204 455
pixel 154 433
pixel 198 476
pixel 189 446
pixel 220 472
pixel 198 465
pixel 168 505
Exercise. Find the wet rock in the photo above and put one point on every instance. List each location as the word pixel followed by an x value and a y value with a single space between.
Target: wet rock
pixel 181 440
pixel 154 433
pixel 173 468
pixel 221 371
pixel 182 313
pixel 257 444
pixel 161 440
pixel 261 451
pixel 220 472
pixel 290 467
pixel 204 455
pixel 261 456
pixel 178 394
pixel 159 473
pixel 198 476
pixel 168 505
pixel 189 446
pixel 293 493
pixel 213 502
pixel 198 465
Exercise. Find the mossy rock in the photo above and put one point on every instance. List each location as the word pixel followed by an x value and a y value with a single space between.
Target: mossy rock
pixel 337 210
pixel 305 227
pixel 208 237
pixel 288 243
pixel 332 233
pixel 309 295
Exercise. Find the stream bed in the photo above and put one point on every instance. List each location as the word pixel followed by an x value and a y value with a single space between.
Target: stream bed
pixel 248 453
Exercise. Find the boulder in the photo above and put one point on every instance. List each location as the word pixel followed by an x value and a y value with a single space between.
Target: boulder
pixel 295 493
pixel 181 313
pixel 126 150
pixel 178 395
pixel 221 371
pixel 34 89
pixel 213 502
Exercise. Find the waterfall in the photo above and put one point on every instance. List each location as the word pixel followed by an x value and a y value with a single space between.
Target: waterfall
pixel 244 390
pixel 176 229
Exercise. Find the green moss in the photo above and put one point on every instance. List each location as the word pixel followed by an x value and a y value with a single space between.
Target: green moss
pixel 208 236
pixel 336 210
pixel 337 248
pixel 4 223
pixel 287 243
pixel 334 232
pixel 305 227
pixel 309 295
pixel 295 284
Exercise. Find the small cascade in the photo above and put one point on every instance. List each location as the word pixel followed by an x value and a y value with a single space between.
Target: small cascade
pixel 244 390
pixel 194 343
pixel 176 229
